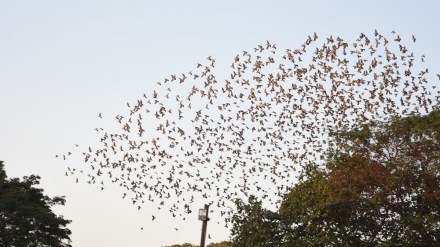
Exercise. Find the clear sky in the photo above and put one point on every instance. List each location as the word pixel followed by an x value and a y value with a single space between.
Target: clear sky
pixel 63 62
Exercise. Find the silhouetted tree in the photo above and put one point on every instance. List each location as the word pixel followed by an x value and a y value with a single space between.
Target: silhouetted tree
pixel 26 218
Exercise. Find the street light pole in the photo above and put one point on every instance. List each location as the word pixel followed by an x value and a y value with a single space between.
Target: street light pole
pixel 203 216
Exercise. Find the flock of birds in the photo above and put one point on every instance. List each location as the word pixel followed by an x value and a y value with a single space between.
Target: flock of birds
pixel 200 138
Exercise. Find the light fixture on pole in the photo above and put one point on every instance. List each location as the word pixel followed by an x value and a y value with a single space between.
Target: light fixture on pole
pixel 203 216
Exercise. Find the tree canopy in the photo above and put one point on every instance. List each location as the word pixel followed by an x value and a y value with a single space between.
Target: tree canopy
pixel 26 218
pixel 380 186
pixel 253 225
pixel 183 245
pixel 219 244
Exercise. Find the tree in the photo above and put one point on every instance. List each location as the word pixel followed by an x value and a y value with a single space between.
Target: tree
pixel 183 245
pixel 26 218
pixel 220 244
pixel 380 187
pixel 253 225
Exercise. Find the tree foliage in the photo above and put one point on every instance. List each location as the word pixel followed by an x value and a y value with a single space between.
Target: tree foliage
pixel 379 187
pixel 219 244
pixel 26 218
pixel 254 225
pixel 183 245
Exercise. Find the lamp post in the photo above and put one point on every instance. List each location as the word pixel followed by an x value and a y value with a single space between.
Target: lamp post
pixel 203 216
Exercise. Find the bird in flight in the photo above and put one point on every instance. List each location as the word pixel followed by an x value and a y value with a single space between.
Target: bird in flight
pixel 217 138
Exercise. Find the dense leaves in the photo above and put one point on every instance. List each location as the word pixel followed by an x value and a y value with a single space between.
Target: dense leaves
pixel 379 187
pixel 253 225
pixel 26 218
pixel 183 245
pixel 219 244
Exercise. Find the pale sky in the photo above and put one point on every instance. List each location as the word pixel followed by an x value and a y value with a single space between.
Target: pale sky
pixel 63 62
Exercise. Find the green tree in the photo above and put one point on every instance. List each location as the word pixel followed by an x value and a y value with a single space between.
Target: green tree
pixel 253 225
pixel 26 218
pixel 220 244
pixel 380 187
pixel 183 245
pixel 300 211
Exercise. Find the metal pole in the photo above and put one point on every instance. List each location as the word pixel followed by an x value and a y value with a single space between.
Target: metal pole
pixel 204 227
